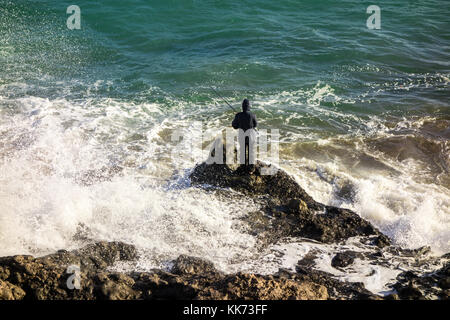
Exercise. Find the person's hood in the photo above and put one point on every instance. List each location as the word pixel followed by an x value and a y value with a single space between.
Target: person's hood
pixel 246 105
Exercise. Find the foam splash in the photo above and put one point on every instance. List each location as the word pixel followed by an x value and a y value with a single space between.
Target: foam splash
pixel 393 195
pixel 376 277
pixel 46 208
pixel 47 144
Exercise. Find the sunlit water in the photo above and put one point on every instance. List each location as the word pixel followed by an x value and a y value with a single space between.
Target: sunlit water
pixel 363 118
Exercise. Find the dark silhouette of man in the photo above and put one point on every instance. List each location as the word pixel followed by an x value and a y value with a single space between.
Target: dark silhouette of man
pixel 246 121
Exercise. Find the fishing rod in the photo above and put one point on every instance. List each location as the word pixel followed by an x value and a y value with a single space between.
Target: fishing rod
pixel 223 99
pixel 218 94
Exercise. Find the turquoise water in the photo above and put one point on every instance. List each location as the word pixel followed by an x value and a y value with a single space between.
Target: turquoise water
pixel 245 48
pixel 363 114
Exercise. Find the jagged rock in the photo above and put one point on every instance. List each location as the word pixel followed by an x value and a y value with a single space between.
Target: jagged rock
pixel 279 186
pixel 392 296
pixel 115 286
pixel 46 277
pixel 416 253
pixel 432 285
pixel 344 259
pixel 381 241
pixel 191 265
pixel 444 283
pixel 296 213
pixel 169 286
pixel 250 286
pixel 410 292
pixel 215 286
pixel 25 277
pixel 8 291
pixel 446 256
pixel 298 205
pixel 337 290
pixel 308 260
pixel 333 225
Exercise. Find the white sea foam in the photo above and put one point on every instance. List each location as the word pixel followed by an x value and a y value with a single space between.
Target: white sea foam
pixel 44 208
pixel 411 212
pixel 376 277
pixel 47 144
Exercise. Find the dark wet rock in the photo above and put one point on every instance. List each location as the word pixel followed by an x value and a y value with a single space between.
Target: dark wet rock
pixel 296 213
pixel 192 265
pixel 47 277
pixel 333 225
pixel 242 286
pixel 26 277
pixel 298 205
pixel 410 292
pixel 280 185
pixel 433 285
pixel 337 290
pixel 444 283
pixel 250 286
pixel 169 286
pixel 344 259
pixel 415 253
pixel 392 296
pixel 308 261
pixel 381 241
pixel 446 256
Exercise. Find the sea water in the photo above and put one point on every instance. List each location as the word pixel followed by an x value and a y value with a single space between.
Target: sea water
pixel 363 116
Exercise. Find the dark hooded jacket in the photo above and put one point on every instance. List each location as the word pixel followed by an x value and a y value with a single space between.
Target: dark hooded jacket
pixel 244 120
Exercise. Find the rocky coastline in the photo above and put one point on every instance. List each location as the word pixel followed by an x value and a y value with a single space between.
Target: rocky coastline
pixel 286 211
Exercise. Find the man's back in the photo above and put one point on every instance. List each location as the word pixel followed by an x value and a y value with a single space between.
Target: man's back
pixel 244 120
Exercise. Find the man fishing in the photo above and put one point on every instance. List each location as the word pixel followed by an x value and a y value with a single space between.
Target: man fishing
pixel 246 122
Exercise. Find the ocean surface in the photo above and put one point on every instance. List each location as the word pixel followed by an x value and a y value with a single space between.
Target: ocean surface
pixel 363 116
